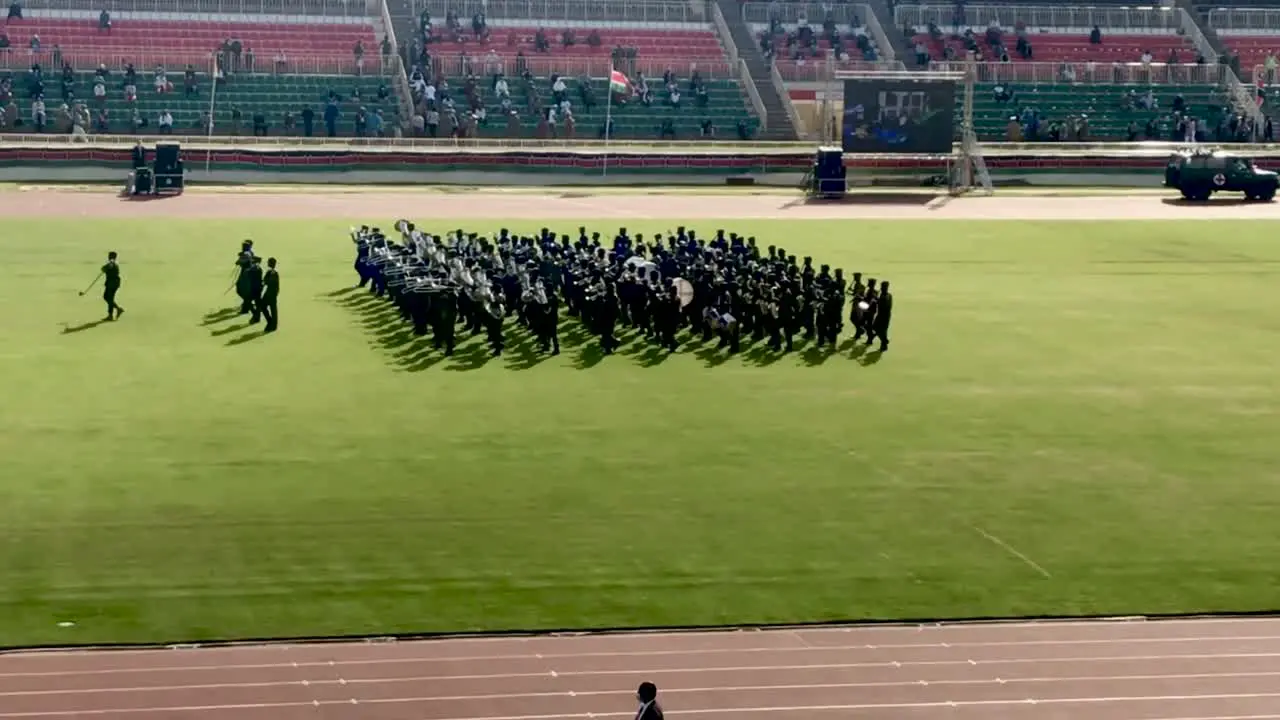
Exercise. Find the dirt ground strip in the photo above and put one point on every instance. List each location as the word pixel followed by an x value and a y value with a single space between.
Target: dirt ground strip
pixel 385 207
pixel 1212 669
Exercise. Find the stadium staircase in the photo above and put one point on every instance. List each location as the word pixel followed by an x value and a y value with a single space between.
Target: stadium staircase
pixel 780 125
pixel 902 49
pixel 404 26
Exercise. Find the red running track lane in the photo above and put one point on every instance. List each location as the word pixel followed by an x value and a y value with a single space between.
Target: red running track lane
pixel 1210 669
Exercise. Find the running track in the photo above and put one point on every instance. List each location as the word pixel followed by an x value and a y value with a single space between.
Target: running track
pixel 1208 669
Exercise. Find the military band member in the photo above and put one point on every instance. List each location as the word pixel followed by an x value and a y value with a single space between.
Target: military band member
pixel 270 297
pixel 884 313
pixel 254 291
pixel 866 310
pixel 110 274
pixel 244 261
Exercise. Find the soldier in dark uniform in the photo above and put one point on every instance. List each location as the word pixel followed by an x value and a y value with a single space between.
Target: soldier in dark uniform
pixel 244 261
pixel 864 315
pixel 884 313
pixel 647 696
pixel 270 297
pixel 494 313
pixel 444 314
pixel 855 297
pixel 110 274
pixel 551 323
pixel 871 299
pixel 606 319
pixel 254 292
pixel 668 317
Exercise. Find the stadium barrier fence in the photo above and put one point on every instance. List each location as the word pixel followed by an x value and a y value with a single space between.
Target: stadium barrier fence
pixel 578 162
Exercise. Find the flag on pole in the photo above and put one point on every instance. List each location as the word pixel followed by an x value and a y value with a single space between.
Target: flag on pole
pixel 618 83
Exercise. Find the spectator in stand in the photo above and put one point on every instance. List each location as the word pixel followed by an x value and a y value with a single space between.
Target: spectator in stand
pixel 1095 36
pixel 102 122
pixel 15 10
pixel 190 88
pixel 104 21
pixel 165 122
pixel 558 89
pixel 433 122
pixel 100 92
pixel 377 126
pixel 492 63
pixel 667 130
pixel 4 43
pixel 136 122
pixel 68 83
pixel 358 53
pixel 206 122
pixel 308 121
pixel 515 128
pixel 38 116
pixel 674 97
pixel 248 59
pixel 331 113
pixel 540 43
pixel 237 119
pixel 282 62
pixel 131 94
pixel 289 123
pixel 386 48
pixel 701 97
pixel 922 53
pixel 500 88
pixel 568 39
pixel 586 92
pixel 707 129
pixel 259 123
pixel 35 43
pixel 161 81
pixel 479 27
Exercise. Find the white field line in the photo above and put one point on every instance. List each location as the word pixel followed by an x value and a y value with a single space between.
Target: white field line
pixel 1012 551
pixel 1048 680
pixel 948 704
pixel 978 627
pixel 636 654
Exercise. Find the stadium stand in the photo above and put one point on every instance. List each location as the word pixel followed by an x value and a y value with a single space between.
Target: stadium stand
pixel 560 70
pixel 273 68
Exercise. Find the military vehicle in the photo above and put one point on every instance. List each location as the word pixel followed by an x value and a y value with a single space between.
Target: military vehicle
pixel 1200 173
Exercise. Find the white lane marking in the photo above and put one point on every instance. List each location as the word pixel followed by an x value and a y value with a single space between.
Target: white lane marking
pixel 684 711
pixel 1045 680
pixel 655 653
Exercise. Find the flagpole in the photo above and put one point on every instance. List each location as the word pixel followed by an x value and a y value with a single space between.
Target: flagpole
pixel 608 120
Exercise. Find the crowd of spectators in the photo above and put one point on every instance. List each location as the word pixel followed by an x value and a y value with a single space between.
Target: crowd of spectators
pixel 803 42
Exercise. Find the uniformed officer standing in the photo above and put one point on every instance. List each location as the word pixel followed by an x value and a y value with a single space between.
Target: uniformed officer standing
pixel 253 295
pixel 270 297
pixel 884 313
pixel 110 274
pixel 244 261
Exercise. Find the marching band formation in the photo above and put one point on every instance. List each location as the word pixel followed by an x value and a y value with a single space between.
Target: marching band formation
pixel 723 287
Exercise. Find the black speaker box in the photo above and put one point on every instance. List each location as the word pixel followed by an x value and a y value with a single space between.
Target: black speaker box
pixel 168 156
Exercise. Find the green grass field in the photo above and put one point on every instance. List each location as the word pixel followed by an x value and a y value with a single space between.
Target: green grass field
pixel 1100 398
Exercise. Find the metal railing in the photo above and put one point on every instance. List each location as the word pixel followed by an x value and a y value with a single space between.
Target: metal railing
pixel 1256 20
pixel 790 13
pixel 545 66
pixel 1190 29
pixel 781 88
pixel 548 11
pixel 374 146
pixel 820 70
pixel 174 61
pixel 1113 19
pixel 723 31
pixel 1089 73
pixel 318 8
pixel 757 103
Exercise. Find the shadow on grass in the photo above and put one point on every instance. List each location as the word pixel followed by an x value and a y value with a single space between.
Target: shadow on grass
pixel 213 317
pixel 247 337
pixel 390 332
pixel 228 330
pixel 69 329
